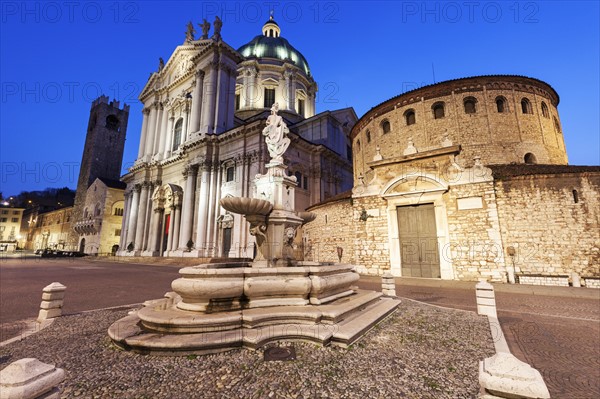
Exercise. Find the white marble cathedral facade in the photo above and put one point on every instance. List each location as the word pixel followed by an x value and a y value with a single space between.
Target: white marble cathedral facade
pixel 203 113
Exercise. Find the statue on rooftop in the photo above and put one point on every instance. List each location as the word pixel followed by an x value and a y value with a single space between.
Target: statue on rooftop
pixel 276 135
pixel 205 25
pixel 189 34
pixel 217 25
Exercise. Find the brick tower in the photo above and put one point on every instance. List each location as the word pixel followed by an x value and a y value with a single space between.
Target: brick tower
pixel 103 149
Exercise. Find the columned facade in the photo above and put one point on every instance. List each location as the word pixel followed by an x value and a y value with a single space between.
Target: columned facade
pixel 200 143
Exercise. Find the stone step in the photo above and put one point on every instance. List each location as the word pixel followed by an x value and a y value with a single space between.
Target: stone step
pixel 349 331
pixel 319 333
pixel 343 308
pixel 259 317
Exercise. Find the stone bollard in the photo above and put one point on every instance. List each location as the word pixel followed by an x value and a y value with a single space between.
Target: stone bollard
pixel 388 285
pixel 505 376
pixel 29 378
pixel 486 299
pixel 576 279
pixel 52 301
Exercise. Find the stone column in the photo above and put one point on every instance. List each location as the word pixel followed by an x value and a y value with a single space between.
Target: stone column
pixel 221 101
pixel 126 209
pixel 157 128
pixel 142 149
pixel 190 174
pixel 176 227
pixel 141 220
pixel 230 107
pixel 214 233
pixel 197 102
pixel 208 103
pixel 169 136
pixel 212 204
pixel 151 129
pixel 245 93
pixel 289 86
pixel 149 214
pixel 133 215
pixel 203 208
pixel 155 230
pixel 171 229
pixel 164 132
pixel 184 127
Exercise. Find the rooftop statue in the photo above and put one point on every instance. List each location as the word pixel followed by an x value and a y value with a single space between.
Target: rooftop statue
pixel 217 25
pixel 276 135
pixel 189 34
pixel 205 25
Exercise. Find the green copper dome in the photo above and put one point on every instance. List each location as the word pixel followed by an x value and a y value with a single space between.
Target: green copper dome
pixel 274 46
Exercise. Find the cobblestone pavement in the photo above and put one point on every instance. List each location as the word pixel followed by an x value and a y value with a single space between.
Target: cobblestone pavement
pixel 558 335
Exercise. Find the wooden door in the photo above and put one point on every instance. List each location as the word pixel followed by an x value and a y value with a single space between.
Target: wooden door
pixel 418 241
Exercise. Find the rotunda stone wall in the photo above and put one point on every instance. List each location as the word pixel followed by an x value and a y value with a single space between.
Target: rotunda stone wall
pixel 502 119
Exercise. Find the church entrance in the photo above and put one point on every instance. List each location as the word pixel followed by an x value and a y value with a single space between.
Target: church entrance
pixel 418 241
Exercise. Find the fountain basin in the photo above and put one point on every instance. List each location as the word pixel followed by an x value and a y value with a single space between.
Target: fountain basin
pixel 246 206
pixel 209 289
pixel 307 217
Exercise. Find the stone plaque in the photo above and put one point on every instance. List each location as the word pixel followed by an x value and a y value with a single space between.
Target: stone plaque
pixel 469 203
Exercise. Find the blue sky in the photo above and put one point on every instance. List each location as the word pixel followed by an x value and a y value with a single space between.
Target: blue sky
pixel 57 56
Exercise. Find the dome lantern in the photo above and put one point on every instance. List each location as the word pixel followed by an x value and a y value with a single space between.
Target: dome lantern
pixel 270 28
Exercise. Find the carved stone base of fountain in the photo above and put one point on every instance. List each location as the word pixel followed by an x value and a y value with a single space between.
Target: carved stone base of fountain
pixel 219 307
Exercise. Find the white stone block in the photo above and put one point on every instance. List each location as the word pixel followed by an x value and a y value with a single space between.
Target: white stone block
pixel 53 296
pixel 485 310
pixel 51 304
pixel 506 376
pixel 49 314
pixel 29 378
pixel 486 301
pixel 54 287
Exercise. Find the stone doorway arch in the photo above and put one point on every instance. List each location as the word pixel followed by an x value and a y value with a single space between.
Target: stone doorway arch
pixel 416 190
pixel 165 220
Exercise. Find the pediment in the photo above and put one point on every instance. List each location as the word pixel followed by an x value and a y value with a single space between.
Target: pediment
pixel 413 184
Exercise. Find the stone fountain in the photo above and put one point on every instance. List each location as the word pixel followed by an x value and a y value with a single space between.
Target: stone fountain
pixel 222 306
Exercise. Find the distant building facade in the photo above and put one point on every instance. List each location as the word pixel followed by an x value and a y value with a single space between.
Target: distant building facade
pixel 201 140
pixel 99 227
pixel 10 228
pixel 465 179
pixel 91 224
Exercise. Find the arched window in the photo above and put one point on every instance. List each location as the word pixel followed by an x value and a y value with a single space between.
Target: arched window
pixel 98 210
pixel 85 213
pixel 112 122
pixel 556 124
pixel 357 145
pixel 526 106
pixel 410 118
pixel 470 105
pixel 501 104
pixel 530 158
pixel 177 134
pixel 230 173
pixel 545 112
pixel 385 126
pixel 438 110
pixel 368 134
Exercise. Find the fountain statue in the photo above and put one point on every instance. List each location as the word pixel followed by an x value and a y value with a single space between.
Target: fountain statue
pixel 277 296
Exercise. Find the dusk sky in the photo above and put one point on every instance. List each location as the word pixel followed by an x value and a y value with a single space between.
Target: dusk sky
pixel 56 57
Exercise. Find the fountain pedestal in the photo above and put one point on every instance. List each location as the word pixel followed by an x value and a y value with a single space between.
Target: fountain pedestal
pixel 217 307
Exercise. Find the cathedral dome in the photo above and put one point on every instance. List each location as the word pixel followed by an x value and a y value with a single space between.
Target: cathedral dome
pixel 271 45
